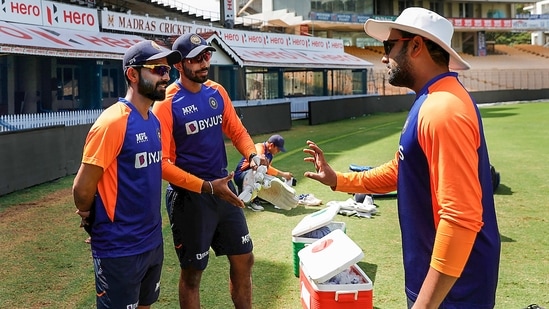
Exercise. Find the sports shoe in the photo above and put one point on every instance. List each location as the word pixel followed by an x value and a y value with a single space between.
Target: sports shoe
pixel 308 200
pixel 255 206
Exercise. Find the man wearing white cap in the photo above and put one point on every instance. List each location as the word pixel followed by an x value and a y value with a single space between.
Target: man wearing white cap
pixel 450 237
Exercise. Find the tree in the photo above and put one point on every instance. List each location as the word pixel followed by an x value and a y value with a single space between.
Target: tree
pixel 509 38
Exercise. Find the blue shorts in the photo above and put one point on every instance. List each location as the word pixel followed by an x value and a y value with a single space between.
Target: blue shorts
pixel 200 221
pixel 129 281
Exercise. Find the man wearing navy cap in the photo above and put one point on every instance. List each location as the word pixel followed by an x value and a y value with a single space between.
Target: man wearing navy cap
pixel 268 149
pixel 118 188
pixel 202 204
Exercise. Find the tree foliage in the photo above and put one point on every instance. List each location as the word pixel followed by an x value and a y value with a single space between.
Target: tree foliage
pixel 509 38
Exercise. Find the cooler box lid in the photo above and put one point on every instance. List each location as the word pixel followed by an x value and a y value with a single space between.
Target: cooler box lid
pixel 329 255
pixel 316 220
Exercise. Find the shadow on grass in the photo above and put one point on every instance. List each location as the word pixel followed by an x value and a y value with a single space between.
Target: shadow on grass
pixel 506 239
pixel 271 281
pixel 369 269
pixel 298 211
pixel 497 112
pixel 503 190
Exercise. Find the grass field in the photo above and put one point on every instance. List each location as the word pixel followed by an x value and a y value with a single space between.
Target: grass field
pixel 45 262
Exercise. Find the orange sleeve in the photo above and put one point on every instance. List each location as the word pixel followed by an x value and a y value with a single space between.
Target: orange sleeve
pixel 452 248
pixel 382 179
pixel 170 172
pixel 105 138
pixel 273 171
pixel 103 144
pixel 451 150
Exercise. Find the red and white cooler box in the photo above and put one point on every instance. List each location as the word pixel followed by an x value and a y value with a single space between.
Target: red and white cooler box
pixel 318 219
pixel 322 266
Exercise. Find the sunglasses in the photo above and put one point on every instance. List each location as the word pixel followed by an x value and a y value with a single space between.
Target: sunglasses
pixel 389 44
pixel 158 69
pixel 205 56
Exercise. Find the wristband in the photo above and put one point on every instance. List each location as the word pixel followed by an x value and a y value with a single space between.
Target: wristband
pixel 211 187
pixel 251 157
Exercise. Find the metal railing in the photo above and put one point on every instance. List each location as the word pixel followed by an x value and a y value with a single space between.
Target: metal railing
pixel 473 80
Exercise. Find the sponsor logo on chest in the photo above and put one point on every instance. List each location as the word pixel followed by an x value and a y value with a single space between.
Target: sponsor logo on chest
pixel 196 126
pixel 144 159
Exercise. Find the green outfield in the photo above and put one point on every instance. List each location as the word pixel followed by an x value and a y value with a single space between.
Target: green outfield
pixel 45 262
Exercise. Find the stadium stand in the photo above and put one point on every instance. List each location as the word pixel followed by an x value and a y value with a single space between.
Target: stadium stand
pixel 522 64
pixel 537 50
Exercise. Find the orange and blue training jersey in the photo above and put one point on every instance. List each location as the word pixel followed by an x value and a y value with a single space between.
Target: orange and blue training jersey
pixel 128 199
pixel 445 198
pixel 261 150
pixel 193 126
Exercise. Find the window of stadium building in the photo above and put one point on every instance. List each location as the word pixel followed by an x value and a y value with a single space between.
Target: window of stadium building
pixel 340 82
pixel 261 84
pixel 67 86
pixel 110 85
pixel 303 83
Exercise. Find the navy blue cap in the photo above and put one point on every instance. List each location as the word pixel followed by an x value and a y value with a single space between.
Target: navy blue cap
pixel 148 50
pixel 278 141
pixel 191 45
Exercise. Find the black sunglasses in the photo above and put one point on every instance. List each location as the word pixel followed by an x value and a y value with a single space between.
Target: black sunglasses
pixel 158 69
pixel 389 44
pixel 205 56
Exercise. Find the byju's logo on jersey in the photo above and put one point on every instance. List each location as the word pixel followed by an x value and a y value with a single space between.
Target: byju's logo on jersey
pixel 191 127
pixel 196 126
pixel 144 159
pixel 141 137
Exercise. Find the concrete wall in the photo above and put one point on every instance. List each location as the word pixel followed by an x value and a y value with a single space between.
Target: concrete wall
pixel 510 95
pixel 36 156
pixel 260 119
pixel 339 109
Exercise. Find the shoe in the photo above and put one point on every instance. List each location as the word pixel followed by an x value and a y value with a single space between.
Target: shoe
pixel 308 200
pixel 255 206
pixel 366 208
